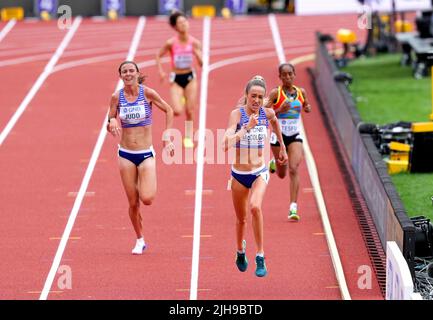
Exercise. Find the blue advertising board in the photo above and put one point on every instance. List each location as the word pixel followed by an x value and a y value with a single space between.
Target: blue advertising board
pixel 49 6
pixel 236 6
pixel 165 7
pixel 113 5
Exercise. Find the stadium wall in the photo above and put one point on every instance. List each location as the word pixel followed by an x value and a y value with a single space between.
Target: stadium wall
pixel 384 204
pixel 27 5
pixel 93 7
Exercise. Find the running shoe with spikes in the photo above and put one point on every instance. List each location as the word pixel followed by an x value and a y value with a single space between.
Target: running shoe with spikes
pixel 188 143
pixel 293 215
pixel 272 166
pixel 261 270
pixel 241 258
pixel 140 245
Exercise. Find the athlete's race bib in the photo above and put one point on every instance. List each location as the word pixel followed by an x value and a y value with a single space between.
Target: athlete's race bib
pixel 255 138
pixel 183 61
pixel 289 126
pixel 134 114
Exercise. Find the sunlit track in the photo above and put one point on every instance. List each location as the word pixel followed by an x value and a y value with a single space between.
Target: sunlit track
pixel 83 187
pixel 83 111
pixel 60 128
pixel 39 82
pixel 284 287
pixel 263 63
pixel 313 175
pixel 152 279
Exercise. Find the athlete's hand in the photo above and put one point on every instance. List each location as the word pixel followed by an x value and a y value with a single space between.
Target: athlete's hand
pixel 282 159
pixel 169 147
pixel 113 127
pixel 254 120
pixel 307 108
pixel 285 107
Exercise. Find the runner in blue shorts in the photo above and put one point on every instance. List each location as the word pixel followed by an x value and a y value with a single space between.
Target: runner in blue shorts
pixel 247 132
pixel 133 106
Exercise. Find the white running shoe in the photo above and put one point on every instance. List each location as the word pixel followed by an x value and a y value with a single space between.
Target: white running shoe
pixel 293 212
pixel 140 245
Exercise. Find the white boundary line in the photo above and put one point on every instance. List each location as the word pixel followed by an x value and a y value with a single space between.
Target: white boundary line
pixel 200 159
pixel 42 77
pixel 277 38
pixel 249 57
pixel 312 169
pixel 84 184
pixel 7 28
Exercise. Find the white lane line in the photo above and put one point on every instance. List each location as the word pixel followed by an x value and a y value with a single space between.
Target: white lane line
pixel 7 28
pixel 42 77
pixel 277 38
pixel 248 57
pixel 89 171
pixel 200 159
pixel 46 48
pixel 312 169
pixel 39 57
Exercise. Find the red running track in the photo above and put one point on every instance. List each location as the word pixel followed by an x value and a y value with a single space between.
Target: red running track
pixel 50 146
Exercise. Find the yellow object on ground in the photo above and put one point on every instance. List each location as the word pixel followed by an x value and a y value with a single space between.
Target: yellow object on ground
pixel 10 13
pixel 422 126
pixel 398 146
pixel 346 36
pixel 188 143
pixel 403 26
pixel 384 18
pixel 199 11
pixel 399 151
pixel 397 166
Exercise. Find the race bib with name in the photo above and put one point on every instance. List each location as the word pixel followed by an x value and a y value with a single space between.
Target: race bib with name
pixel 183 61
pixel 289 126
pixel 255 138
pixel 132 114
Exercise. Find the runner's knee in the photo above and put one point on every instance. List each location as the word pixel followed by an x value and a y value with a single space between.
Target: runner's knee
pixel 242 221
pixel 255 209
pixel 177 111
pixel 293 169
pixel 147 200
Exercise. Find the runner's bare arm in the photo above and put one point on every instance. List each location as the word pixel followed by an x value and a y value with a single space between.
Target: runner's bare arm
pixel 270 114
pixel 231 137
pixel 112 125
pixel 155 98
pixel 198 52
pixel 307 105
pixel 272 98
pixel 163 51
